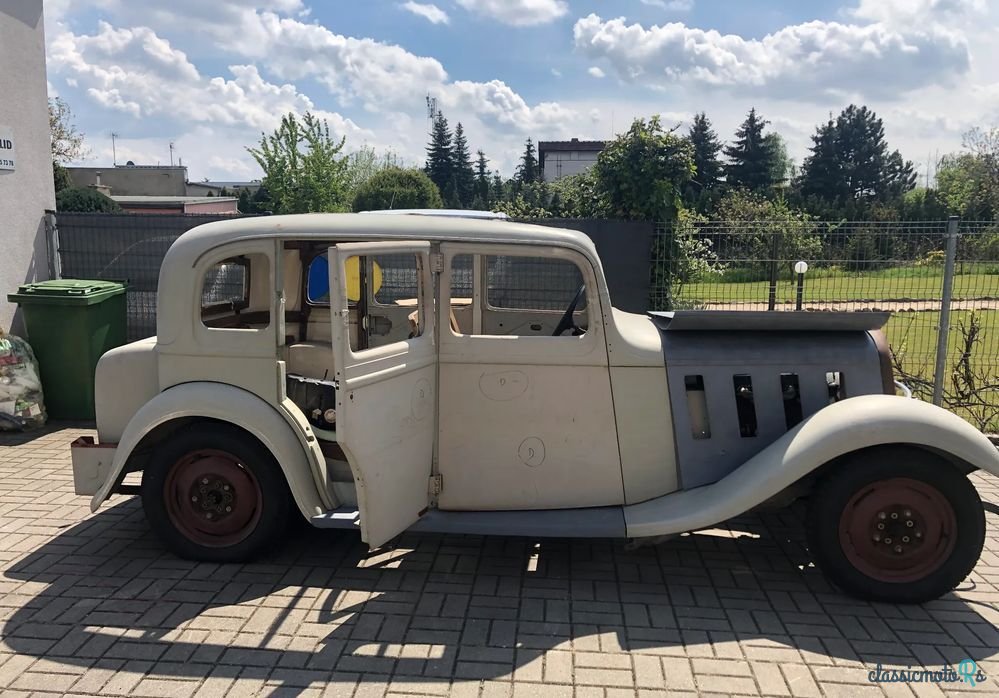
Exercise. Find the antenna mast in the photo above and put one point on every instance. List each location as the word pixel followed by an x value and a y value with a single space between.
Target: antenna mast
pixel 171 153
pixel 114 152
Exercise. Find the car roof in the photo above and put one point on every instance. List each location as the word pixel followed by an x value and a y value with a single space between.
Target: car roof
pixel 373 226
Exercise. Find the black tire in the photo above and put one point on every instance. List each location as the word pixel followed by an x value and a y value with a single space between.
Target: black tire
pixel 259 488
pixel 831 533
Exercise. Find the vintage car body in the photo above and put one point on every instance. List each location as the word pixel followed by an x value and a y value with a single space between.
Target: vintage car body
pixel 461 406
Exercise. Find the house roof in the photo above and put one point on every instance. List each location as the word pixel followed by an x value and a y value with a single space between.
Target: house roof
pixel 170 200
pixel 574 144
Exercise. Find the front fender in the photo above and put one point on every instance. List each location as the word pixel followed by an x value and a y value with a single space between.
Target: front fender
pixel 225 403
pixel 843 427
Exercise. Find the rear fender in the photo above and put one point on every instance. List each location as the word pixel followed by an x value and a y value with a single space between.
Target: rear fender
pixel 841 428
pixel 294 449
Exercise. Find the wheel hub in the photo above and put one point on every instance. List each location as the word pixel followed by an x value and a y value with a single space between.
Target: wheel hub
pixel 898 530
pixel 212 498
pixel 214 495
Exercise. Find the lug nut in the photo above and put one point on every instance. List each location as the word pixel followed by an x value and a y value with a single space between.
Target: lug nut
pixel 908 513
pixel 204 481
pixel 910 523
pixel 894 515
pixel 919 534
pixel 876 537
pixel 194 498
pixel 225 487
pixel 208 515
pixel 882 515
pixel 228 509
pixel 898 548
pixel 887 541
pixel 905 539
pixel 881 527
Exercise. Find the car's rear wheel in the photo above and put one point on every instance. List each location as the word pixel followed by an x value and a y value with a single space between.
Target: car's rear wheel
pixel 213 493
pixel 896 524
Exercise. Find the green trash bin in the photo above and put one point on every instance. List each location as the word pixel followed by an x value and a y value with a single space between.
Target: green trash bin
pixel 70 323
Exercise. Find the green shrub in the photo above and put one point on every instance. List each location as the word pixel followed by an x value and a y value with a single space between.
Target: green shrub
pixel 395 188
pixel 85 200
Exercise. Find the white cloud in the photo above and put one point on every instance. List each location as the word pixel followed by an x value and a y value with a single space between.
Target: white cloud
pixel 136 72
pixel 674 5
pixel 910 12
pixel 556 72
pixel 428 11
pixel 595 71
pixel 518 13
pixel 811 60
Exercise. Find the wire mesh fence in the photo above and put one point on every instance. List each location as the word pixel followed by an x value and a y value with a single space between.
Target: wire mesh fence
pixel 855 266
pixel 120 247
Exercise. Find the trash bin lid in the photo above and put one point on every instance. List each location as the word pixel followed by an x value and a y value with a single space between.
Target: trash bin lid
pixel 67 292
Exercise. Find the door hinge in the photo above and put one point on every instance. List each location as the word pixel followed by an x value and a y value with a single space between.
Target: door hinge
pixel 436 262
pixel 436 485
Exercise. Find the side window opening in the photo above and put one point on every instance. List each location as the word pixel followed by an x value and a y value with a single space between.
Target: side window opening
pixel 230 298
pixel 530 295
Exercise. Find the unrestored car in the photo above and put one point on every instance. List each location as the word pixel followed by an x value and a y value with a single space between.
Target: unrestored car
pixel 385 373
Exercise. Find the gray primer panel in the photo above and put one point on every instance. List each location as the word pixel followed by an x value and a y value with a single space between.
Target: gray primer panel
pixel 764 356
pixel 763 321
pixel 594 522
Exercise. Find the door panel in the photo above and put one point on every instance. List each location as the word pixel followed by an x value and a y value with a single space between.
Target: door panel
pixel 526 420
pixel 386 402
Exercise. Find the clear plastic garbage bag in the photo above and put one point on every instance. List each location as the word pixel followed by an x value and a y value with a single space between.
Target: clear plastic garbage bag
pixel 21 403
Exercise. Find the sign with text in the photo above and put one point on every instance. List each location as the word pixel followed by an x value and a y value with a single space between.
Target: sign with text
pixel 7 156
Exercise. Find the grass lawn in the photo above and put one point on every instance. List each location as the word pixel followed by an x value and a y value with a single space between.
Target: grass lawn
pixel 887 285
pixel 914 337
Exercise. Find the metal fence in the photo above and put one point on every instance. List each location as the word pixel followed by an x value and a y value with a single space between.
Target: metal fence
pixel 940 279
pixel 120 247
pixel 905 267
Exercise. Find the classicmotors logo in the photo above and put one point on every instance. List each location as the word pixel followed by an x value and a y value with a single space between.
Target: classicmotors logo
pixel 967 671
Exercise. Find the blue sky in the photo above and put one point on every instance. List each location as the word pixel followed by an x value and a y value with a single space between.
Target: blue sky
pixel 210 76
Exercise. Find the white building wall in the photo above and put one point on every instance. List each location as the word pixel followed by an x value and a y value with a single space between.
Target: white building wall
pixel 27 190
pixel 562 163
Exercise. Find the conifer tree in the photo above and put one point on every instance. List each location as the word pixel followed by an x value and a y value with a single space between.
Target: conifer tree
pixel 464 173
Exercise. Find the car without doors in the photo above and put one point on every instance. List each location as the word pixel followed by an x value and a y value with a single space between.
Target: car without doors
pixel 440 373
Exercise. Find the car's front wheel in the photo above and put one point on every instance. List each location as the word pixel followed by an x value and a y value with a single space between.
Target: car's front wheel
pixel 896 524
pixel 213 493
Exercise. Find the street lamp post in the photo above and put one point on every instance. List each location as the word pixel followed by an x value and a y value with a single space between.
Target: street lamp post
pixel 800 268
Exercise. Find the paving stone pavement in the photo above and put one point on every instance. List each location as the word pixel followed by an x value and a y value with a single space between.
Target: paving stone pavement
pixel 92 605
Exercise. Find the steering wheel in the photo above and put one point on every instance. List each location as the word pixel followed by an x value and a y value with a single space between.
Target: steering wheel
pixel 567 320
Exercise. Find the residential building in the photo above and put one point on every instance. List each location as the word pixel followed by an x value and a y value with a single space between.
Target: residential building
pixel 134 180
pixel 215 188
pixel 26 188
pixel 558 159
pixel 177 204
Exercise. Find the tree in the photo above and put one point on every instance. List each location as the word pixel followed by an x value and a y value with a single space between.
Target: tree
pixel 464 173
pixel 67 141
pixel 750 159
pixel 60 177
pixel 778 160
pixel 527 171
pixel 641 173
pixel 303 168
pixel 482 196
pixel 395 188
pixel 821 172
pixel 966 187
pixel 706 148
pixel 243 205
pixel 850 169
pixel 440 156
pixel 85 200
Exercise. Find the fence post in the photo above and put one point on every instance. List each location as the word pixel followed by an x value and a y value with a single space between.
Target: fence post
pixel 52 245
pixel 774 251
pixel 940 371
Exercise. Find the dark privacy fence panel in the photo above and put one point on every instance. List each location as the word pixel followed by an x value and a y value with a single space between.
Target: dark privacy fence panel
pixel 131 247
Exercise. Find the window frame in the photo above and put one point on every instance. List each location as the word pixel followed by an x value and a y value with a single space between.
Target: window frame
pixel 221 306
pixel 487 304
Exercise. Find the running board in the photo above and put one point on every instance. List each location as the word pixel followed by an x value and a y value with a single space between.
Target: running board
pixel 593 522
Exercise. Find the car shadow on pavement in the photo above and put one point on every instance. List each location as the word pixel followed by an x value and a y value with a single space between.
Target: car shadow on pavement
pixel 103 596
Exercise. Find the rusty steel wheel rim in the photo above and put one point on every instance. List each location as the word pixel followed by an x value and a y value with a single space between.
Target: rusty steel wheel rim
pixel 212 498
pixel 898 530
